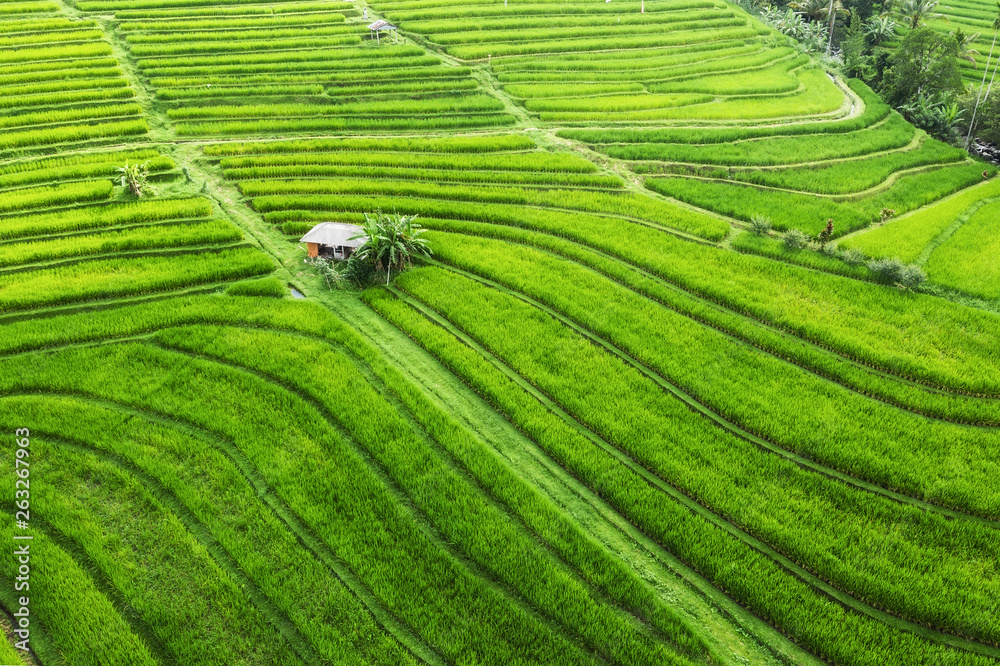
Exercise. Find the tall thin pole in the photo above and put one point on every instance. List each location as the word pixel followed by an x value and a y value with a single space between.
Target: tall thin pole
pixel 986 70
pixel 829 39
pixel 990 87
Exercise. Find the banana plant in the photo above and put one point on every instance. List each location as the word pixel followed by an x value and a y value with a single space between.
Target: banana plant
pixel 134 176
pixel 880 28
pixel 391 241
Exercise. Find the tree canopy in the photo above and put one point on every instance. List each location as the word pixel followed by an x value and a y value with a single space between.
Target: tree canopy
pixel 924 64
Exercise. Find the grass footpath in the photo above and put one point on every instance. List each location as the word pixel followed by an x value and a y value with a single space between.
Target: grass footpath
pixel 377 466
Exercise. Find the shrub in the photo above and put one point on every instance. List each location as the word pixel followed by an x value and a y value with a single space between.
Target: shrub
pixel 826 234
pixel 886 270
pixel 760 224
pixel 391 241
pixel 330 270
pixel 894 271
pixel 852 257
pixel 795 239
pixel 339 274
pixel 912 276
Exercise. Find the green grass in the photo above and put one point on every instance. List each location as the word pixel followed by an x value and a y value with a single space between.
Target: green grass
pixel 874 111
pixel 968 261
pixel 773 151
pixel 474 160
pixel 243 477
pixel 126 532
pixel 88 165
pixel 690 537
pixel 214 36
pixel 471 104
pixel 95 217
pixel 113 92
pixel 35 137
pixel 776 249
pixel 486 144
pixel 592 106
pixel 238 91
pixel 483 531
pixel 792 210
pixel 774 79
pixel 231 23
pixel 348 124
pixel 55 195
pixel 851 176
pixel 234 46
pixel 10 654
pixel 817 95
pixel 266 199
pixel 227 504
pixel 907 237
pixel 745 387
pixel 269 287
pixel 469 614
pixel 508 177
pixel 645 66
pixel 783 345
pixel 105 278
pixel 955 346
pixel 686 451
pixel 129 239
pixel 63 594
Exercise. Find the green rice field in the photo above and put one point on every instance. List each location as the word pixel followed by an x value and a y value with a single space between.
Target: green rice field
pixel 607 422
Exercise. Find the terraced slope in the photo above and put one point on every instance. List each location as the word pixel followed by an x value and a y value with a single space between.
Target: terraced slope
pixel 586 432
pixel 953 239
pixel 973 17
pixel 58 83
pixel 194 494
pixel 301 70
pixel 708 65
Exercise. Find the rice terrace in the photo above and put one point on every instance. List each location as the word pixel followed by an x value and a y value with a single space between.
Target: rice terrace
pixel 500 332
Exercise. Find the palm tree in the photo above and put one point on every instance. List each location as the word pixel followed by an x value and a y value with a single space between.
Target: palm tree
pixel 916 12
pixel 975 109
pixel 965 42
pixel 813 10
pixel 391 241
pixel 835 8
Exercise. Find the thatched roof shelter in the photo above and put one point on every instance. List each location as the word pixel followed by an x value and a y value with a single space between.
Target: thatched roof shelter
pixel 333 238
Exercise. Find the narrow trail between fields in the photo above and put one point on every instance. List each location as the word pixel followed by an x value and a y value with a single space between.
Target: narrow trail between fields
pixel 204 177
pixel 678 495
pixel 417 514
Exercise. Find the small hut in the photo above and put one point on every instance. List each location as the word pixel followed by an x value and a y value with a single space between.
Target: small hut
pixel 380 26
pixel 332 239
